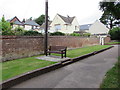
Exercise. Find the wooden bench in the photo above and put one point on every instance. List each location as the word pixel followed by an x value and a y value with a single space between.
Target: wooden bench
pixel 57 49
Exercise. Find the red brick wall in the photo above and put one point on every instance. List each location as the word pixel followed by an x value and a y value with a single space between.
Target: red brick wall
pixel 72 42
pixel 14 47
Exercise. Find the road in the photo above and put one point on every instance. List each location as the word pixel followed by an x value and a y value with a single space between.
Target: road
pixel 87 73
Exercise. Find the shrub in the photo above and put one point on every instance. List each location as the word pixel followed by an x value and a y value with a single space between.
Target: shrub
pixel 75 34
pixel 19 31
pixel 32 33
pixel 57 34
pixel 115 33
pixel 5 27
pixel 9 32
pixel 86 34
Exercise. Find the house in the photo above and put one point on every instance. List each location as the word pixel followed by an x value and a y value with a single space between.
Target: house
pixel 26 25
pixel 15 22
pixel 30 25
pixel 64 24
pixel 97 28
pixel 42 27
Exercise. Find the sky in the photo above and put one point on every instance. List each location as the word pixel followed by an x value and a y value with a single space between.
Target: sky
pixel 86 11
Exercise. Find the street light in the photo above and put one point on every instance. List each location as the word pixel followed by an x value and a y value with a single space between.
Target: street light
pixel 46 28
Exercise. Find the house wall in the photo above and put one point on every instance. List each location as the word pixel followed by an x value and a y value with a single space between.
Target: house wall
pixel 28 27
pixel 64 29
pixel 98 28
pixel 15 26
pixel 57 20
pixel 71 28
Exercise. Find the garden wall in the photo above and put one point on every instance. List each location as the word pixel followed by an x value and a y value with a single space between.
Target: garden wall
pixel 14 47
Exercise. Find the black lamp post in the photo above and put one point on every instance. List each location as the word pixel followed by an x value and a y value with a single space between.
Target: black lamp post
pixel 46 28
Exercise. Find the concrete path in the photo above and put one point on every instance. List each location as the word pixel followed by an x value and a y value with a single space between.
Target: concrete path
pixel 87 73
pixel 52 58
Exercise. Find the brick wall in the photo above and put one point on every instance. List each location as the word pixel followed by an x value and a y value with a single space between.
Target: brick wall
pixel 14 47
pixel 73 42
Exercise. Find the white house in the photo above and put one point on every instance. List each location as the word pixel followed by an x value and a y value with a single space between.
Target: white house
pixel 97 28
pixel 30 25
pixel 15 22
pixel 64 24
pixel 26 25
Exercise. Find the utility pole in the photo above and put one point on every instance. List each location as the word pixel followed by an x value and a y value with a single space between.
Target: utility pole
pixel 46 28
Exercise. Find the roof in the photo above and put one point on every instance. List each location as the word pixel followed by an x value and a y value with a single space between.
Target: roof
pixel 31 22
pixel 15 20
pixel 85 27
pixel 67 20
pixel 43 25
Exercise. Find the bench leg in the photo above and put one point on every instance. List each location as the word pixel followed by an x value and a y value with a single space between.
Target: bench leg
pixel 65 55
pixel 61 55
pixel 49 53
pixel 46 54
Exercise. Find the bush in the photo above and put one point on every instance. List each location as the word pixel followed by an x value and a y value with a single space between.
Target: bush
pixel 9 32
pixel 115 33
pixel 75 34
pixel 5 27
pixel 86 34
pixel 32 33
pixel 57 34
pixel 19 31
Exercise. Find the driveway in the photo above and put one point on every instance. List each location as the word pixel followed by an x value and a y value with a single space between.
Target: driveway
pixel 87 73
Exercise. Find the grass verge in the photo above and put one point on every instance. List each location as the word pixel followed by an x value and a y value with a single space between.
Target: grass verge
pixel 113 43
pixel 16 67
pixel 85 50
pixel 112 77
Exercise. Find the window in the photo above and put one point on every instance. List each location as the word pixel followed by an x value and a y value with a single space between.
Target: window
pixel 57 27
pixel 75 27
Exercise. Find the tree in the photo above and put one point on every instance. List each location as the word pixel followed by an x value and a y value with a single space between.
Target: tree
pixel 40 20
pixel 112 7
pixel 108 19
pixel 111 13
pixel 115 33
pixel 5 25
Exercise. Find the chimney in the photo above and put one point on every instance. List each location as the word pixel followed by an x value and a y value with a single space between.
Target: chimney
pixel 23 21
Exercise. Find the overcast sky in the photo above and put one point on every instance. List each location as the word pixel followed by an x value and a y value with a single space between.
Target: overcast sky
pixel 86 11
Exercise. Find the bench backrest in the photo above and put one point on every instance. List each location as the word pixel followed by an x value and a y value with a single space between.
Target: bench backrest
pixel 57 47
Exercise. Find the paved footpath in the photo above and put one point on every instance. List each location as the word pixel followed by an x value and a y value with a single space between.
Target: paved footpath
pixel 87 73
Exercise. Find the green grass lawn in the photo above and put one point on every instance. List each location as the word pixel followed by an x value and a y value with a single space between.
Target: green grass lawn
pixel 20 66
pixel 113 43
pixel 85 50
pixel 112 76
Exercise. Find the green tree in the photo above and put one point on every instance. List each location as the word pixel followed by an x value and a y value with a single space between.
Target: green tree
pixel 5 27
pixel 112 7
pixel 40 20
pixel 108 19
pixel 115 33
pixel 111 13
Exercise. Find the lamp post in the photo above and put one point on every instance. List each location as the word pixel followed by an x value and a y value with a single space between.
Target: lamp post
pixel 46 28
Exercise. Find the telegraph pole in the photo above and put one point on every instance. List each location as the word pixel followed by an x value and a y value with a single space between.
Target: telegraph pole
pixel 46 28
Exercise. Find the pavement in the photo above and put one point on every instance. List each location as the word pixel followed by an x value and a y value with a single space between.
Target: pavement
pixel 52 58
pixel 87 73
